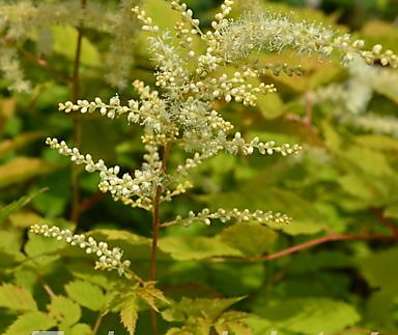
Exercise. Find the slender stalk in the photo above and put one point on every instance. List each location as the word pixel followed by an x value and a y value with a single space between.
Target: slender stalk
pixel 325 239
pixel 155 234
pixel 48 289
pixel 98 322
pixel 75 210
pixel 154 249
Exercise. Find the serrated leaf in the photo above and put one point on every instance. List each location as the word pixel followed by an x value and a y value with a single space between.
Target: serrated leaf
pixel 151 295
pixel 309 315
pixel 196 326
pixel 196 248
pixel 129 315
pixel 30 322
pixel 197 308
pixel 43 250
pixel 232 323
pixel 64 310
pixel 251 239
pixel 86 294
pixel 16 298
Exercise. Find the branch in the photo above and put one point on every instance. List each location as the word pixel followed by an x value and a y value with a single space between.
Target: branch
pixel 325 239
pixel 75 211
pixel 155 234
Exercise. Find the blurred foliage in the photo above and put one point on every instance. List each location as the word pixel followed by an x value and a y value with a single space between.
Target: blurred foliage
pixel 345 182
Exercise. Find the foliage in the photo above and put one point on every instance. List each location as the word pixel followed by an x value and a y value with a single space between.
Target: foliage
pixel 186 150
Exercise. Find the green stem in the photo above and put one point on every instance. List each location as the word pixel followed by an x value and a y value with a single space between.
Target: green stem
pixel 75 210
pixel 155 234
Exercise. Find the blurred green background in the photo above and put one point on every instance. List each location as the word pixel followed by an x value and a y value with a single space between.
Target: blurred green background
pixel 345 182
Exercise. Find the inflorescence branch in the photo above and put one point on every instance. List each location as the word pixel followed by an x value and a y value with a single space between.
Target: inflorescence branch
pixel 108 259
pixel 206 216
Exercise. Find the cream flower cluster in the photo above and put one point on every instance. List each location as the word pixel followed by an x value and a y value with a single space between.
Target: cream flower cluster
pixel 351 98
pixel 238 144
pixel 238 88
pixel 111 110
pixel 146 20
pixel 378 124
pixel 137 112
pixel 108 259
pixel 259 31
pixel 139 187
pixel 206 216
pixel 22 21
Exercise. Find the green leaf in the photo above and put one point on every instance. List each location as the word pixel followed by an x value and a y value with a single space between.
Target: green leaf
pixel 7 146
pixel 196 308
pixel 86 294
pixel 119 235
pixel 306 219
pixel 271 105
pixel 18 204
pixel 369 161
pixel 129 314
pixel 81 329
pixel 64 310
pixel 25 219
pixel 195 326
pixel 16 298
pixel 391 211
pixel 232 323
pixel 43 250
pixel 381 271
pixel 251 239
pixel 30 322
pixel 196 248
pixel 21 169
pixel 67 34
pixel 11 241
pixel 151 295
pixel 332 138
pixel 161 13
pixel 309 315
pixel 378 142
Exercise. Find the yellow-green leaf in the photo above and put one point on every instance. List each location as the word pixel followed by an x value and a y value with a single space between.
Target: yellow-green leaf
pixel 196 248
pixel 64 310
pixel 30 322
pixel 86 294
pixel 64 35
pixel 22 169
pixel 250 238
pixel 129 315
pixel 16 298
